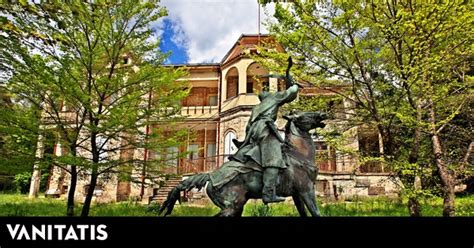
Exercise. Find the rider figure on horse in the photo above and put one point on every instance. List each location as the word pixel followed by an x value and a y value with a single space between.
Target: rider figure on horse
pixel 263 141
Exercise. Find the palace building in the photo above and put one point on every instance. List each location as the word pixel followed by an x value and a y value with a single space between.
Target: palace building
pixel 216 111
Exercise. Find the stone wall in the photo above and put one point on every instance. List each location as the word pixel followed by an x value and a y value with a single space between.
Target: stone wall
pixel 108 188
pixel 344 185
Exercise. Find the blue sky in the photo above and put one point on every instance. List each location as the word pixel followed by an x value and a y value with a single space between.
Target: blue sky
pixel 202 31
pixel 178 52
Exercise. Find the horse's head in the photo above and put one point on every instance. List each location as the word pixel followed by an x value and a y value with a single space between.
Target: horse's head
pixel 307 120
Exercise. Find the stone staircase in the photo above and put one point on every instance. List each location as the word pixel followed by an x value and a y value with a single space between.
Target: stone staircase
pixel 161 194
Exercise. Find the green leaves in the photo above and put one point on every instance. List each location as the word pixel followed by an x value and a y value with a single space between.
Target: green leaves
pixel 68 60
pixel 402 68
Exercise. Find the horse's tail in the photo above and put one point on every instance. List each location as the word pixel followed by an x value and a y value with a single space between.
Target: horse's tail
pixel 197 181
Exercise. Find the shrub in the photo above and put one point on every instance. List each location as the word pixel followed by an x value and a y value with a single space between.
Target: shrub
pixel 22 182
pixel 6 183
pixel 44 180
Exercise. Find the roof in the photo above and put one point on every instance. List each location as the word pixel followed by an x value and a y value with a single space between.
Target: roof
pixel 233 52
pixel 237 43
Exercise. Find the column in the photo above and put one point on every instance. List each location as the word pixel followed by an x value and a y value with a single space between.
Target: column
pixel 36 177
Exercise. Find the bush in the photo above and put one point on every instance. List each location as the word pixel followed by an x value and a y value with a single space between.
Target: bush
pixel 22 182
pixel 44 180
pixel 6 183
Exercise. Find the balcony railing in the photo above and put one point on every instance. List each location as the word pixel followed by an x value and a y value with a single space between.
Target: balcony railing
pixel 199 111
pixel 199 165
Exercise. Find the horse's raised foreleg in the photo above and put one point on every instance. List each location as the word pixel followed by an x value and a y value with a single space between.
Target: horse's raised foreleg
pixel 299 205
pixel 310 201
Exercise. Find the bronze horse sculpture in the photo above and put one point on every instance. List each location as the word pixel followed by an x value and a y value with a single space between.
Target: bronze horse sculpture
pixel 234 183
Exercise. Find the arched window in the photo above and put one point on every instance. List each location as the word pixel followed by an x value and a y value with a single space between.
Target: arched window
pixel 257 78
pixel 229 147
pixel 232 79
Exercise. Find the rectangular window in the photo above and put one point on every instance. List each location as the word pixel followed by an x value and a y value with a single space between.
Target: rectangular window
pixel 211 151
pixel 213 100
pixel 322 155
pixel 193 151
pixel 232 86
pixel 249 87
pixel 172 156
pixel 325 156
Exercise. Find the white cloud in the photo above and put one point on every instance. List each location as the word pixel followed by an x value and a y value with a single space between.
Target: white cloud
pixel 158 29
pixel 207 29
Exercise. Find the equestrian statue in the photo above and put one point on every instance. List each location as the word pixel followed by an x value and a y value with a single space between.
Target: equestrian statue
pixel 266 165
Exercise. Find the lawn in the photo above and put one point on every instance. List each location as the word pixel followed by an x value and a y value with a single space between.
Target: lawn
pixel 20 205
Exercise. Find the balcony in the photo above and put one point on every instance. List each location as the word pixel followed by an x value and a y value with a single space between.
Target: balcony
pixel 199 112
pixel 199 165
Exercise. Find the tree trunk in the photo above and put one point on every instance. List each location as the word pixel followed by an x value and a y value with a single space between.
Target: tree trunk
pixel 90 193
pixel 386 149
pixel 448 202
pixel 94 175
pixel 447 177
pixel 386 146
pixel 72 191
pixel 414 206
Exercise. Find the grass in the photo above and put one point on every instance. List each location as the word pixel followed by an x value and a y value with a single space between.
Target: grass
pixel 20 205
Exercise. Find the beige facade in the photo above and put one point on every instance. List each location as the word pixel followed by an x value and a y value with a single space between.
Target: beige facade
pixel 217 110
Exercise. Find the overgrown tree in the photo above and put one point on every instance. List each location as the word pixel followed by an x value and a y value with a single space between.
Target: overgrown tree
pixel 18 128
pixel 401 64
pixel 101 60
pixel 42 74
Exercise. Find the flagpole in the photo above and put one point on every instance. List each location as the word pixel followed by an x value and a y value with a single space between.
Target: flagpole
pixel 258 3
